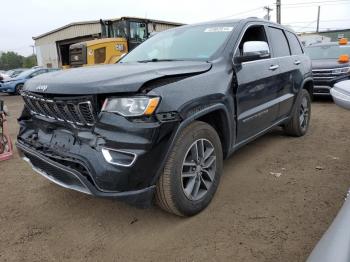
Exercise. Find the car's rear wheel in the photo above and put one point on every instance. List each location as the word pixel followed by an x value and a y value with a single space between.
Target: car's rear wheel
pixel 192 171
pixel 300 119
pixel 19 88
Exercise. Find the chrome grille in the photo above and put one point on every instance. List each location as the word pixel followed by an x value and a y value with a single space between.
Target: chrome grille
pixel 74 111
pixel 323 74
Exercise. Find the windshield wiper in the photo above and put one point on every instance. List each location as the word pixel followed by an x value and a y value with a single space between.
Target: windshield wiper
pixel 158 60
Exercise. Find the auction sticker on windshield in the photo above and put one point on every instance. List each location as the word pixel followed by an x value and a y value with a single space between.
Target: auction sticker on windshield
pixel 218 29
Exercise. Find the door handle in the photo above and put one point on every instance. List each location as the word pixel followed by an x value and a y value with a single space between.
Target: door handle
pixel 274 67
pixel 297 62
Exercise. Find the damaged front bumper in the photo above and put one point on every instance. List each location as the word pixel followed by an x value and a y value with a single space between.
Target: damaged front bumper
pixel 72 179
pixel 116 158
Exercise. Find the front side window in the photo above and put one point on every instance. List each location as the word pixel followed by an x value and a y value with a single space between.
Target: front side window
pixel 253 33
pixel 183 43
pixel 279 42
pixel 138 31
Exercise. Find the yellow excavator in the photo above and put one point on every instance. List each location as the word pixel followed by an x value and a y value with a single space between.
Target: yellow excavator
pixel 118 37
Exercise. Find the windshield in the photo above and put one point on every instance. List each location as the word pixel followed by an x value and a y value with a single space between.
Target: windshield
pixel 327 51
pixel 183 43
pixel 26 73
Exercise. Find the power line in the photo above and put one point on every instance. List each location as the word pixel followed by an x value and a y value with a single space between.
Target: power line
pixel 317 2
pixel 306 26
pixel 311 5
pixel 304 22
pixel 241 13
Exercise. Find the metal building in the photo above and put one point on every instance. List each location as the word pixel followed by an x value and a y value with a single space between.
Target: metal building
pixel 52 48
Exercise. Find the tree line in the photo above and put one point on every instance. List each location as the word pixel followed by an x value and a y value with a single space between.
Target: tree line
pixel 11 60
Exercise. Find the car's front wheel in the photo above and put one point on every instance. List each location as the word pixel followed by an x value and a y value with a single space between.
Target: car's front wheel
pixel 192 172
pixel 19 88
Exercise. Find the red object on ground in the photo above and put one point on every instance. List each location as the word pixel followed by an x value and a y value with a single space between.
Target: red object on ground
pixel 6 147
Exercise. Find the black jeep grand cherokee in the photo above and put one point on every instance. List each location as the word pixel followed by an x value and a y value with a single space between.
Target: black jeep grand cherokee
pixel 160 122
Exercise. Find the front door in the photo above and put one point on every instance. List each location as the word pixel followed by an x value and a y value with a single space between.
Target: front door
pixel 256 91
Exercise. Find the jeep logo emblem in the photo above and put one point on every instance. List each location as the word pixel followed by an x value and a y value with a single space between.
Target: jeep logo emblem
pixel 42 88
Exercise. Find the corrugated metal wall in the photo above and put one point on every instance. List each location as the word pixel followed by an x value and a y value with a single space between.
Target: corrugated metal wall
pixel 159 27
pixel 70 32
pixel 46 47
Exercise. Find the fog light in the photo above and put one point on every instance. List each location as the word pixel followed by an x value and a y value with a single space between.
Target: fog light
pixel 118 157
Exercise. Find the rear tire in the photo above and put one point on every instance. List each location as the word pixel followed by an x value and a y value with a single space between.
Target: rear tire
pixel 189 179
pixel 300 119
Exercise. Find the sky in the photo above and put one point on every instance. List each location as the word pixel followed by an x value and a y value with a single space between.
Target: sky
pixel 20 20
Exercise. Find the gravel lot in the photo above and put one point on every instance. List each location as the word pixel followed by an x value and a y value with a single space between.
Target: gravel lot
pixel 256 215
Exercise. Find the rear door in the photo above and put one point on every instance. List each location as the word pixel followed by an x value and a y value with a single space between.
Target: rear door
pixel 257 88
pixel 298 62
pixel 287 72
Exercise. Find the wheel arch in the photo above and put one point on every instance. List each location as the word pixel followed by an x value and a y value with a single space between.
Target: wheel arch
pixel 216 116
pixel 308 84
pixel 219 120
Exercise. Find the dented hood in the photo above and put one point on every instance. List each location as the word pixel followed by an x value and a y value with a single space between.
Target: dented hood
pixel 116 78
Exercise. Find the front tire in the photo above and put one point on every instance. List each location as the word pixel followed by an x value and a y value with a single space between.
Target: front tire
pixel 192 171
pixel 300 119
pixel 19 88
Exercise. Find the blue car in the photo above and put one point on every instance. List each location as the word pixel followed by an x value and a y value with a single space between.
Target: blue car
pixel 15 85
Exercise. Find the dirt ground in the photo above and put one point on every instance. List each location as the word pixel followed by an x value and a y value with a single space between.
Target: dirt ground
pixel 256 215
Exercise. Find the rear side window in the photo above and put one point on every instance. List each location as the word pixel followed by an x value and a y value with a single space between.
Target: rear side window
pixel 294 44
pixel 279 42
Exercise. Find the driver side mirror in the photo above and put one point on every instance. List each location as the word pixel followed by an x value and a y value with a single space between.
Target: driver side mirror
pixel 254 50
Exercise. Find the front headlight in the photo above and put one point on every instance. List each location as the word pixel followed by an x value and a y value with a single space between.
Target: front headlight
pixel 131 106
pixel 341 71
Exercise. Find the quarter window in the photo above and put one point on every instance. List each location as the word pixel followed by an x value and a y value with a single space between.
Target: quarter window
pixel 279 42
pixel 294 44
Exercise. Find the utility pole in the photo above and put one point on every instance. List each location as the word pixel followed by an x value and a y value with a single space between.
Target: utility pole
pixel 318 19
pixel 268 10
pixel 32 46
pixel 278 11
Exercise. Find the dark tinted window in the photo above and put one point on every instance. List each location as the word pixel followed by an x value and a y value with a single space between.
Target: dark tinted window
pixel 279 42
pixel 294 44
pixel 100 55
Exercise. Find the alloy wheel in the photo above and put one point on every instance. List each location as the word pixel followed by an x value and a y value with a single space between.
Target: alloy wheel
pixel 304 113
pixel 198 169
